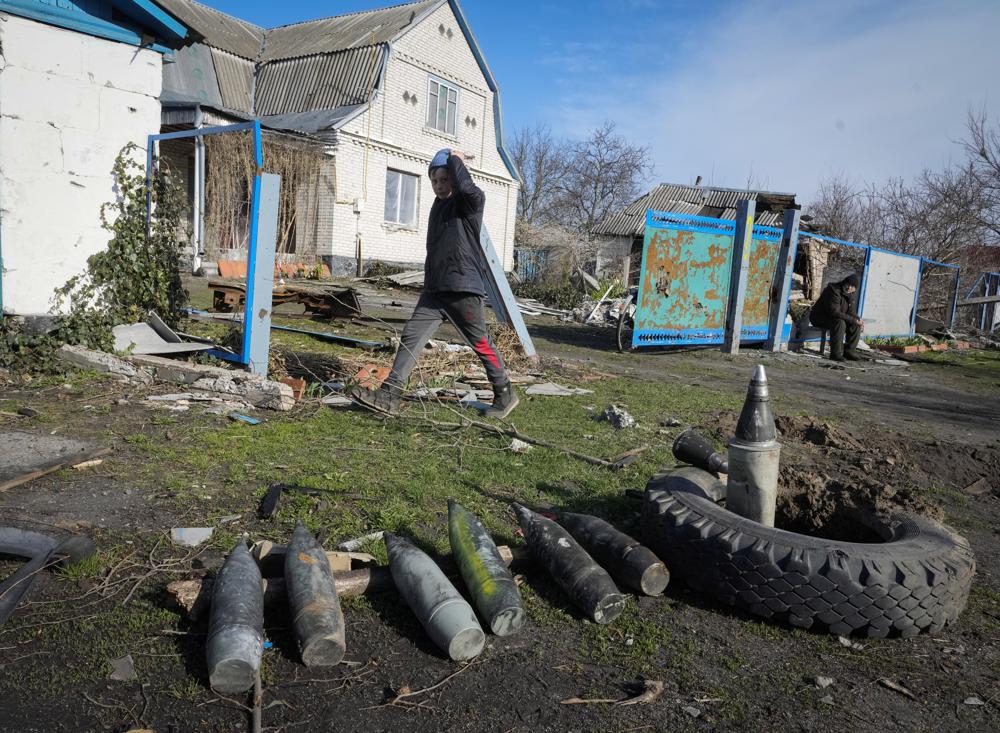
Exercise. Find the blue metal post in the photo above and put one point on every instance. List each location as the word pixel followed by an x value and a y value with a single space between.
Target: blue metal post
pixel 783 279
pixel 916 298
pixel 260 273
pixel 862 292
pixel 738 276
pixel 954 300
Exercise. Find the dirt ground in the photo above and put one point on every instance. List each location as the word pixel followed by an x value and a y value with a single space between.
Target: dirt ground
pixel 869 437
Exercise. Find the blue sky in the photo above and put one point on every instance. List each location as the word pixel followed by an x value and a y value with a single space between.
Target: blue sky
pixel 785 92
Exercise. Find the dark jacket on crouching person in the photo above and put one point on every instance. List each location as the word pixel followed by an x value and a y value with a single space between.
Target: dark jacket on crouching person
pixel 836 312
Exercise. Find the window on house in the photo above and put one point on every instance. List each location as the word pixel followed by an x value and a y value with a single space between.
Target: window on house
pixel 442 106
pixel 401 198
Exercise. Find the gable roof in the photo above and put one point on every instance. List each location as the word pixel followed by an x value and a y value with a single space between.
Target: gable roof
pixel 311 76
pixel 712 201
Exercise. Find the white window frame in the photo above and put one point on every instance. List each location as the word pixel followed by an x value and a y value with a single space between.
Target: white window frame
pixel 434 95
pixel 412 224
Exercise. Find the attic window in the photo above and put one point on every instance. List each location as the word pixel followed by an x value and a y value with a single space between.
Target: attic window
pixel 442 106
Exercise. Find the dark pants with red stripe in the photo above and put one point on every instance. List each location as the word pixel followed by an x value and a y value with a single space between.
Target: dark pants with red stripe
pixel 465 311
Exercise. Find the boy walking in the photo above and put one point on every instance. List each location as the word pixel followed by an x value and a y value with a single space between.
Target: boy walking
pixel 453 289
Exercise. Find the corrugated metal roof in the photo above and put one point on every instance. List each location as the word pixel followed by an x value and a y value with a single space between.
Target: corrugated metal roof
pixel 323 81
pixel 695 200
pixel 341 32
pixel 235 76
pixel 218 29
pixel 313 122
pixel 190 77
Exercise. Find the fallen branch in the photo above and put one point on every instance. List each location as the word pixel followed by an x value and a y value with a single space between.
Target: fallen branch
pixel 512 433
pixel 652 689
pixel 402 698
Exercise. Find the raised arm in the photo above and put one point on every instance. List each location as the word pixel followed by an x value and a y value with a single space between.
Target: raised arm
pixel 467 192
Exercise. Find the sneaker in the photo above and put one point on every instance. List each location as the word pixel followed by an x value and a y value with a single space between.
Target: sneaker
pixel 505 399
pixel 836 357
pixel 384 400
pixel 853 356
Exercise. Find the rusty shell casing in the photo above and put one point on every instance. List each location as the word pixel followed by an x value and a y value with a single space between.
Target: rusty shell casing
pixel 625 558
pixel 236 624
pixel 493 589
pixel 694 448
pixel 312 599
pixel 588 585
pixel 447 617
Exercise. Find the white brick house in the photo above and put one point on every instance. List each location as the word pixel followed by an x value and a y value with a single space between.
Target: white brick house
pixel 383 90
pixel 75 87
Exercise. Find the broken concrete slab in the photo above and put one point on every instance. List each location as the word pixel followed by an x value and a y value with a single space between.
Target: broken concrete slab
pixel 98 361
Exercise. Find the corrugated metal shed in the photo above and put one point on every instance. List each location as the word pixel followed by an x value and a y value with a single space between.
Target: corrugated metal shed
pixel 323 81
pixel 719 203
pixel 235 76
pixel 343 31
pixel 218 29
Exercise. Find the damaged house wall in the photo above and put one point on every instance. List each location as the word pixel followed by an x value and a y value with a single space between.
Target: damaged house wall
pixel 69 102
pixel 360 85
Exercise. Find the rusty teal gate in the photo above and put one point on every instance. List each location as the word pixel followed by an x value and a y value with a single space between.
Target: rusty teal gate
pixel 684 281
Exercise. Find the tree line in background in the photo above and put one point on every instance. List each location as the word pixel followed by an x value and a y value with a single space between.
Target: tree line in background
pixel 569 186
pixel 944 215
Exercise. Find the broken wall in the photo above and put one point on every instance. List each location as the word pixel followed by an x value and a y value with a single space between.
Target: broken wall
pixel 69 102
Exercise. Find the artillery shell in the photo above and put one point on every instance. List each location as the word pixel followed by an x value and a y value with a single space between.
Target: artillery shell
pixel 236 626
pixel 447 617
pixel 628 561
pixel 493 589
pixel 586 583
pixel 312 599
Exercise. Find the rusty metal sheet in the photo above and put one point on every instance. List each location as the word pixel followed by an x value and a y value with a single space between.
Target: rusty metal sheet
pixel 684 283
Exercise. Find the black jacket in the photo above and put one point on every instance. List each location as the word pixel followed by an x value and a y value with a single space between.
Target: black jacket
pixel 833 304
pixel 455 261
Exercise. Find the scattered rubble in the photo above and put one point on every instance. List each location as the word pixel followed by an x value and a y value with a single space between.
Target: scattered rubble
pixel 618 417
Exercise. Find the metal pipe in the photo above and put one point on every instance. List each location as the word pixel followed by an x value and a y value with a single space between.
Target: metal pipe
pixel 484 571
pixel 312 599
pixel 588 585
pixel 236 625
pixel 448 619
pixel 629 562
pixel 754 455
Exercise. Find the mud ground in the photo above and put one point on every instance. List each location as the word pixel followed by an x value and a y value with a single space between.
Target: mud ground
pixel 869 437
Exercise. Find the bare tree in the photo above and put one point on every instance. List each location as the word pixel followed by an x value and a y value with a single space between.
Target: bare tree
pixel 541 159
pixel 603 173
pixel 983 150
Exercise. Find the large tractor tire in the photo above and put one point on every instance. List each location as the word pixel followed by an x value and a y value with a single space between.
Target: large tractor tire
pixel 917 580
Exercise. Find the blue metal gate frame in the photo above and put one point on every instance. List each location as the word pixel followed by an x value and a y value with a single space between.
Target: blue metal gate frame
pixel 255 344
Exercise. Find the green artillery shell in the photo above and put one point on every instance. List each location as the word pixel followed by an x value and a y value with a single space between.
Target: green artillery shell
pixel 489 581
pixel 588 585
pixel 312 598
pixel 236 625
pixel 448 619
pixel 628 562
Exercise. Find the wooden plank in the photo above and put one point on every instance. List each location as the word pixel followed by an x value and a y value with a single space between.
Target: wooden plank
pixel 45 470
pixel 981 301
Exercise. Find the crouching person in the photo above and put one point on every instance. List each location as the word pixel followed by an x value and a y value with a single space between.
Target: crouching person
pixel 453 289
pixel 835 311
